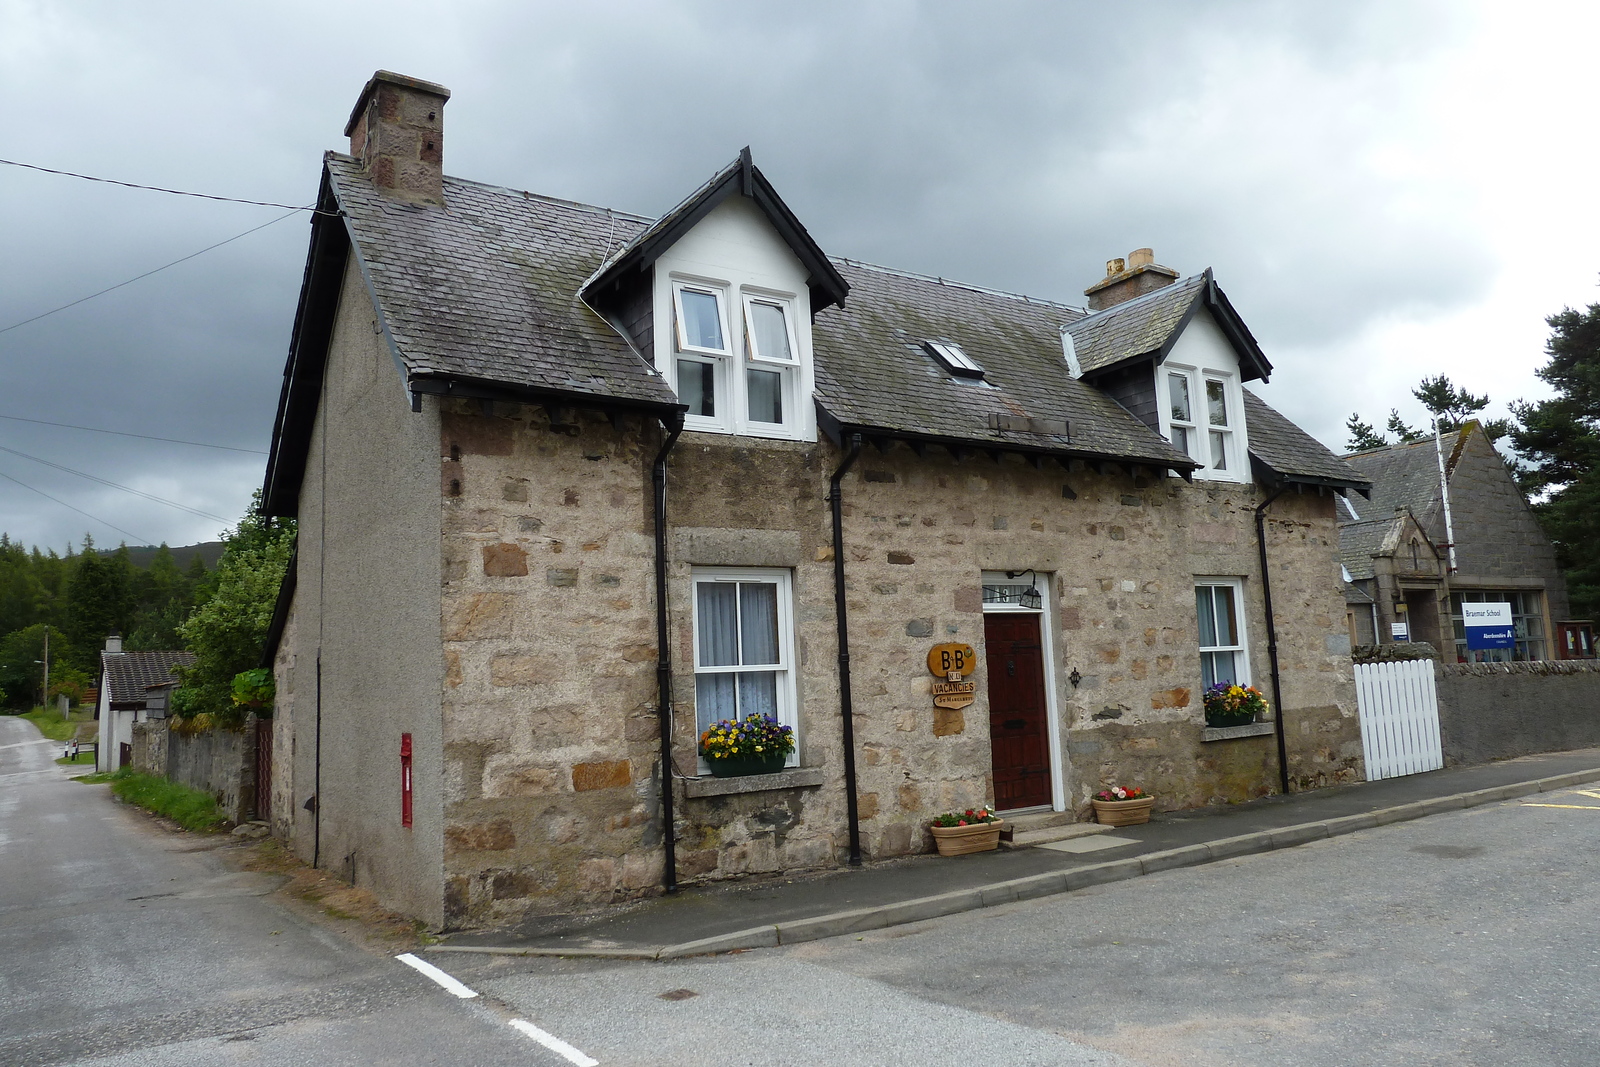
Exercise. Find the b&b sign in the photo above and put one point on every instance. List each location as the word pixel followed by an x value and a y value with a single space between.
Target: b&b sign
pixel 1488 626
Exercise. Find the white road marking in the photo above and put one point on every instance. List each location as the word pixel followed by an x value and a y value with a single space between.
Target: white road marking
pixel 554 1044
pixel 449 983
pixel 38 741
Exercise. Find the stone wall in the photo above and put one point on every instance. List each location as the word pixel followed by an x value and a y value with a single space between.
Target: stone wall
pixel 1491 711
pixel 150 747
pixel 220 762
pixel 552 783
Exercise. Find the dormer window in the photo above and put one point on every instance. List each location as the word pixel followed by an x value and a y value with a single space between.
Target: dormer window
pixel 732 327
pixel 954 359
pixel 1200 414
pixel 737 359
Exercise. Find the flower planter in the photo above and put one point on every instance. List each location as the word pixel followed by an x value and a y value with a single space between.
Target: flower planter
pixel 743 766
pixel 959 840
pixel 1241 719
pixel 1123 812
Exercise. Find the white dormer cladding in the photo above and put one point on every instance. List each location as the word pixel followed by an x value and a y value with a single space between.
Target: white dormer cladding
pixel 1199 396
pixel 733 327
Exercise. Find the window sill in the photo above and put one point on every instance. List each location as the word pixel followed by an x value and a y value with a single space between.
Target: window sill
pixel 792 778
pixel 1228 733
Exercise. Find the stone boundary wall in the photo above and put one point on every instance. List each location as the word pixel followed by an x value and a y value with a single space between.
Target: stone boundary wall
pixel 219 762
pixel 150 747
pixel 1493 711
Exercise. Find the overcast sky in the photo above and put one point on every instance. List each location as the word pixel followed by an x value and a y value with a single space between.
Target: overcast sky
pixel 1385 190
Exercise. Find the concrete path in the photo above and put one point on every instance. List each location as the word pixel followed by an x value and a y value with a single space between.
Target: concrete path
pixel 722 918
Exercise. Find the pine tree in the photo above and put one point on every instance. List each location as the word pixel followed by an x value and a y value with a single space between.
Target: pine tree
pixel 1559 441
pixel 1362 436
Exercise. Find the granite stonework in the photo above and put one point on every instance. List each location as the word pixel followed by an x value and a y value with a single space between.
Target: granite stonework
pixel 552 778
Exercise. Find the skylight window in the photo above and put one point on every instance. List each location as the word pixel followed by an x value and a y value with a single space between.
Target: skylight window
pixel 955 361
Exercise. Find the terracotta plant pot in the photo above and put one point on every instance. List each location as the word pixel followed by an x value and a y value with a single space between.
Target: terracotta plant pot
pixel 1123 812
pixel 959 840
pixel 742 766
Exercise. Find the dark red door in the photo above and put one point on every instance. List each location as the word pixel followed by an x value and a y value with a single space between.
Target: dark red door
pixel 1017 730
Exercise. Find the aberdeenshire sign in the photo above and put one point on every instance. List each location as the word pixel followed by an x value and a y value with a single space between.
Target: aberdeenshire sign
pixel 1488 626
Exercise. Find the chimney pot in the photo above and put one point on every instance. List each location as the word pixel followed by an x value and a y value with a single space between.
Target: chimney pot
pixel 396 132
pixel 114 643
pixel 1126 279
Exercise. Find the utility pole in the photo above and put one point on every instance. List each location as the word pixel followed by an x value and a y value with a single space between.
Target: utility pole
pixel 44 693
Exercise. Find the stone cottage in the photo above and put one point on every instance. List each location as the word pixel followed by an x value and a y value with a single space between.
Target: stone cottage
pixel 572 484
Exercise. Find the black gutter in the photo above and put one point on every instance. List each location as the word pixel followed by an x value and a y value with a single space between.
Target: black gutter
pixel 846 706
pixel 454 385
pixel 1272 635
pixel 658 481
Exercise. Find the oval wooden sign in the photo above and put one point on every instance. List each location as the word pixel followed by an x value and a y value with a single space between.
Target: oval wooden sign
pixel 952 656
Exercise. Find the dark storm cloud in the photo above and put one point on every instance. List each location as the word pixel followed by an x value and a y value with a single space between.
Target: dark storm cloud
pixel 1018 146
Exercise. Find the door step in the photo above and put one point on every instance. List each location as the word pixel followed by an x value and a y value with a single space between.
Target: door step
pixel 1025 831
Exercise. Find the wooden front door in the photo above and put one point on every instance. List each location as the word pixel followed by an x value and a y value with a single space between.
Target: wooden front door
pixel 1017 730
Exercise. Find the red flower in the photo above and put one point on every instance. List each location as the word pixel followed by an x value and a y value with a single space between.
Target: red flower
pixel 961 822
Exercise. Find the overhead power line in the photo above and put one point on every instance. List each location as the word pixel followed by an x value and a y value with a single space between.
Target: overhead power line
pixel 162 189
pixel 141 436
pixel 117 485
pixel 80 511
pixel 146 274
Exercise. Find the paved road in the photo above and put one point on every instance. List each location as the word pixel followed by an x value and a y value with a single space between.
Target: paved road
pixel 1470 938
pixel 1464 939
pixel 120 944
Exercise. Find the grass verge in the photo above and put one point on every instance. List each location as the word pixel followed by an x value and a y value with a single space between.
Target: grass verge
pixel 51 724
pixel 83 757
pixel 189 808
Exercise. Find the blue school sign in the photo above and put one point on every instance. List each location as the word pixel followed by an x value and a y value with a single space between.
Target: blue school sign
pixel 1488 626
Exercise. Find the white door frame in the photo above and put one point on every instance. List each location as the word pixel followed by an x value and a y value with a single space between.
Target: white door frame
pixel 1045 582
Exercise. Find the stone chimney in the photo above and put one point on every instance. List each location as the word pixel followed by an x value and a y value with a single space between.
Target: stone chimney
pixel 1125 279
pixel 397 133
pixel 114 643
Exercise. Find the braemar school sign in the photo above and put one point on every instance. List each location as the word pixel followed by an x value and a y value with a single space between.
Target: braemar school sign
pixel 1488 626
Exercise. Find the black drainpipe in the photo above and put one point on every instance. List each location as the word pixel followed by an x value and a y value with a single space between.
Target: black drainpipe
pixel 1272 635
pixel 658 479
pixel 846 709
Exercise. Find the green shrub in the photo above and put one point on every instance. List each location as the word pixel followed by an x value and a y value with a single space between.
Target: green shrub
pixel 189 808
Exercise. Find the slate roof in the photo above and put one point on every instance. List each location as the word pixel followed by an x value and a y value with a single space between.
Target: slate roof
pixel 1287 450
pixel 488 289
pixel 1134 327
pixel 130 674
pixel 1402 476
pixel 873 372
pixel 1360 541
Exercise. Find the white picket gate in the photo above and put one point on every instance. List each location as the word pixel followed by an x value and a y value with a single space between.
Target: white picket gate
pixel 1399 718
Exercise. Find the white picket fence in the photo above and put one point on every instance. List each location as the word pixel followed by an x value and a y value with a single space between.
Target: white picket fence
pixel 1399 718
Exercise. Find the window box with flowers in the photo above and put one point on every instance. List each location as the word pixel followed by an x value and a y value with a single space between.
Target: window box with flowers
pixel 757 744
pixel 1231 704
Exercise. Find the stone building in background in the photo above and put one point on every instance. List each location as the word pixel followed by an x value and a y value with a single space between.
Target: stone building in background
pixel 572 483
pixel 1398 560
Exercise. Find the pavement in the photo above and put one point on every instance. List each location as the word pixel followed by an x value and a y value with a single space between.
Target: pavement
pixel 724 917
